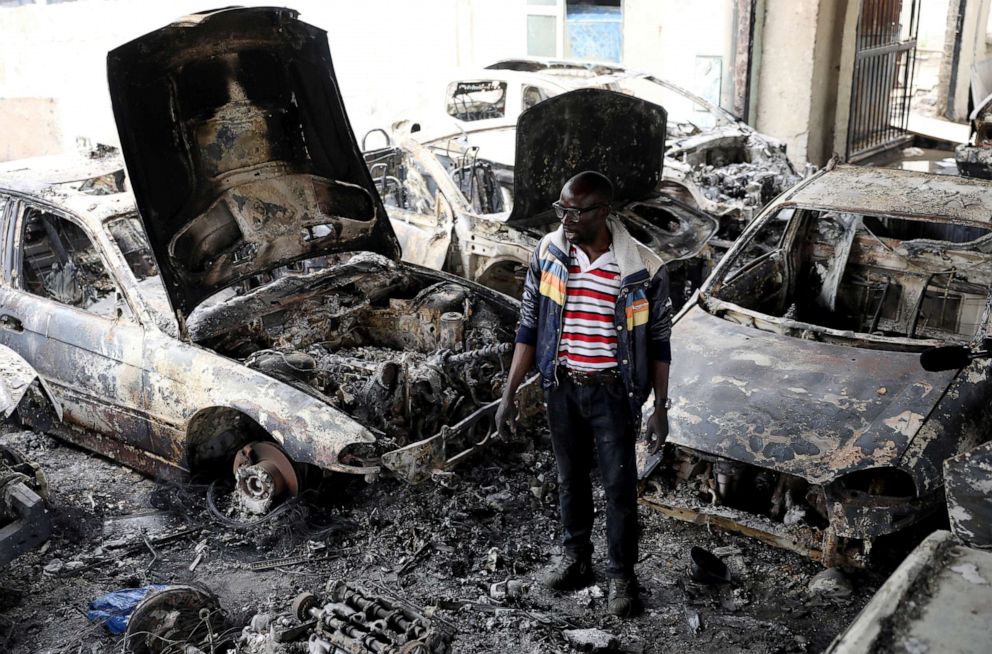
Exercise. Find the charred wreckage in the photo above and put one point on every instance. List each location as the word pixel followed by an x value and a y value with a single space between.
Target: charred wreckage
pixel 247 307
pixel 254 308
pixel 801 412
pixel 463 216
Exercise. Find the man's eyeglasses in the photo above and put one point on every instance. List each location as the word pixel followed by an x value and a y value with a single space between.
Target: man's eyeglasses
pixel 574 214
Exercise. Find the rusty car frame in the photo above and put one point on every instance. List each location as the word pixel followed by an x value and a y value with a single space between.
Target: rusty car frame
pixel 801 414
pixel 247 305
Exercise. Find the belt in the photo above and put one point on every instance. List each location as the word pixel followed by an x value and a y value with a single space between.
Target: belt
pixel 593 377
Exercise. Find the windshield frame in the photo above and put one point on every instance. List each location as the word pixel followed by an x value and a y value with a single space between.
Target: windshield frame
pixel 710 301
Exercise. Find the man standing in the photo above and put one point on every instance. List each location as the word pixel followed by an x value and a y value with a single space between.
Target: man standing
pixel 596 318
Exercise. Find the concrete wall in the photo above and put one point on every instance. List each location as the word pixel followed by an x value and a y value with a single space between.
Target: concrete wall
pixel 31 128
pixel 392 57
pixel 975 45
pixel 801 85
pixel 664 37
pixel 784 81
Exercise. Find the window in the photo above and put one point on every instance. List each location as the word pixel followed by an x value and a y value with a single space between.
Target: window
pixel 61 264
pixel 477 100
pixel 542 36
pixel 401 182
pixel 9 226
pixel 767 239
pixel 545 28
pixel 530 96
pixel 129 235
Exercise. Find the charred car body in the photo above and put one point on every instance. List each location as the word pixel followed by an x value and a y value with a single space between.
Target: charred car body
pixel 801 412
pixel 730 169
pixel 455 212
pixel 216 335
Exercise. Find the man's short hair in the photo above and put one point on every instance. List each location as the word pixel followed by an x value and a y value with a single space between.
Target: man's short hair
pixel 592 182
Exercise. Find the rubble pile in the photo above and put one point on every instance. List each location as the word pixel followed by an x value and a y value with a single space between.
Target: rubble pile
pixel 464 550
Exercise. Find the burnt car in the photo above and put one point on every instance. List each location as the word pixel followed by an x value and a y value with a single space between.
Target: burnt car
pixel 248 302
pixel 730 169
pixel 801 413
pixel 457 212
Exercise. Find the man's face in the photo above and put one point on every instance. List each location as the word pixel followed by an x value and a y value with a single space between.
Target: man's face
pixel 582 228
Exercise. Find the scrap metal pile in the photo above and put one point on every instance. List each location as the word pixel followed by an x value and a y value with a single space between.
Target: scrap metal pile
pixel 24 522
pixel 346 620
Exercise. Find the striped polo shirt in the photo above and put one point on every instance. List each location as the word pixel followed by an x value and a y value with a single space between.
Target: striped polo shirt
pixel 588 336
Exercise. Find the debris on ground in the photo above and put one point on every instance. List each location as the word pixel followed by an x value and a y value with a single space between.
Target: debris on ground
pixel 831 584
pixel 444 547
pixel 591 640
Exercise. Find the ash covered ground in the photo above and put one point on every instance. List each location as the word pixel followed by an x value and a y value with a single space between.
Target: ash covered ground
pixel 447 546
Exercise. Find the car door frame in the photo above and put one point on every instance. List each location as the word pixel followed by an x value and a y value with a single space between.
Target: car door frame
pixel 92 363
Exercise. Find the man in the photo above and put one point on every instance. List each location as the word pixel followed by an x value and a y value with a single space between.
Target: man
pixel 596 318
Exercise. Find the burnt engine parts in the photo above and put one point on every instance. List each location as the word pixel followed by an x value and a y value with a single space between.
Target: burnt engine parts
pixel 347 620
pixel 24 521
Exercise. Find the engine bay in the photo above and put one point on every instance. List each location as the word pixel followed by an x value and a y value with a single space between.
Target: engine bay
pixel 403 351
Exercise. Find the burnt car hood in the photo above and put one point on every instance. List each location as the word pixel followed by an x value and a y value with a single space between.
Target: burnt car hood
pixel 805 408
pixel 618 135
pixel 239 149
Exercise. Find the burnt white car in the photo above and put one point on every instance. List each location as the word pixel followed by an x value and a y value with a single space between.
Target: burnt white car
pixel 254 307
pixel 801 412
pixel 460 213
pixel 731 170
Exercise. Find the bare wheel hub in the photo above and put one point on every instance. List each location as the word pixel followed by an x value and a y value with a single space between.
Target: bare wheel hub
pixel 264 473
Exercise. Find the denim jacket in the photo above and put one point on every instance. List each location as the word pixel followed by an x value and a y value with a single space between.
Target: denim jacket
pixel 643 316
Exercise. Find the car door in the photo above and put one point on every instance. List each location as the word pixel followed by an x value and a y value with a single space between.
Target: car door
pixel 62 311
pixel 420 215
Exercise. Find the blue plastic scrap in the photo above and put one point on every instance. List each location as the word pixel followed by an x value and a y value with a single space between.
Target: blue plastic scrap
pixel 116 607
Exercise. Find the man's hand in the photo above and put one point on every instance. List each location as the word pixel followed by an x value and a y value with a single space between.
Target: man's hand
pixel 657 429
pixel 506 418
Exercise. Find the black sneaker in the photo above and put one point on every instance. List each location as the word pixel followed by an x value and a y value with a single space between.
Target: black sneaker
pixel 623 598
pixel 569 573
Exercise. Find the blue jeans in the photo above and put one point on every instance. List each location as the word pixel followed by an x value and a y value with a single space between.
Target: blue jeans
pixel 580 417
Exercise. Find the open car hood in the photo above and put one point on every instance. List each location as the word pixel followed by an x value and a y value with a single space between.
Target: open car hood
pixel 618 135
pixel 805 408
pixel 239 149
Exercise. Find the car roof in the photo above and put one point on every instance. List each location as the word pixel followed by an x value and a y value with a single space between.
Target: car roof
pixel 521 77
pixel 557 67
pixel 888 191
pixel 51 179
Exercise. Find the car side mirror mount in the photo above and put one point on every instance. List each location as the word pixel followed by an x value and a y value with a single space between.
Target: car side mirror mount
pixel 949 357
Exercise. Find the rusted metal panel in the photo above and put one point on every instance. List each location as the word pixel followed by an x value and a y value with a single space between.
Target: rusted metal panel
pixel 239 149
pixel 16 377
pixel 800 539
pixel 891 192
pixel 939 599
pixel 968 488
pixel 587 129
pixel 818 412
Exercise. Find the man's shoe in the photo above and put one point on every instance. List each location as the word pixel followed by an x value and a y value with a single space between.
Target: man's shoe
pixel 623 598
pixel 569 573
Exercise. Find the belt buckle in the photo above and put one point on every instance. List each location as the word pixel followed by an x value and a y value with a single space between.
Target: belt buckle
pixel 597 378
